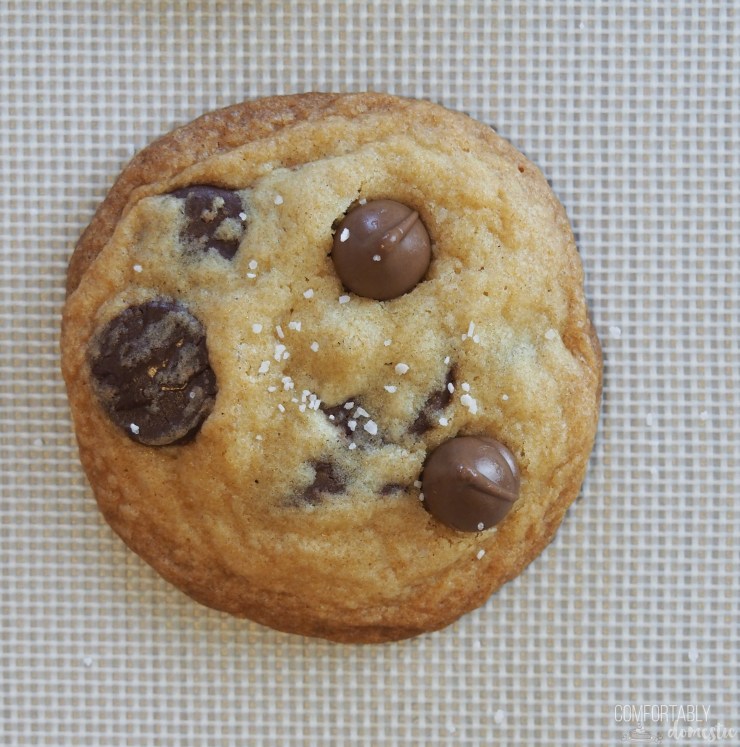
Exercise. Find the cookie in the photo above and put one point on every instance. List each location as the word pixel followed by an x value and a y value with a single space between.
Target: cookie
pixel 330 364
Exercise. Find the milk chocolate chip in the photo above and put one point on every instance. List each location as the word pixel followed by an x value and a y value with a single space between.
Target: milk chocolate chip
pixel 381 250
pixel 151 373
pixel 470 483
pixel 212 219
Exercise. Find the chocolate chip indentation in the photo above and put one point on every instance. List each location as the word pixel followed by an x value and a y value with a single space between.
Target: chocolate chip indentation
pixel 212 219
pixel 151 373
pixel 327 479
pixel 381 249
pixel 435 403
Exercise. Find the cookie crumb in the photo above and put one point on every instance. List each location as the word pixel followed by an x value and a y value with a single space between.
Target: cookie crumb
pixel 390 388
pixel 371 427
pixel 344 235
pixel 279 199
pixel 264 367
pixel 344 299
pixel 480 554
pixel 138 268
pixel 134 429
pixel 401 368
pixel 256 328
pixel 308 293
pixel 315 346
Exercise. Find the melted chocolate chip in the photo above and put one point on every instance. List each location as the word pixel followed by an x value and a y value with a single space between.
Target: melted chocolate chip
pixel 211 219
pixel 435 403
pixel 352 423
pixel 327 479
pixel 340 415
pixel 470 483
pixel 151 373
pixel 381 249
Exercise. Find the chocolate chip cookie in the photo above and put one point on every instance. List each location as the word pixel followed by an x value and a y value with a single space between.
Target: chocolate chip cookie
pixel 330 363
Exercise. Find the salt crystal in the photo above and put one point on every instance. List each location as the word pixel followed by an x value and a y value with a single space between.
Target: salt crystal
pixel 417 483
pixel 294 325
pixel 279 350
pixel 251 275
pixel 264 367
pixel 308 293
pixel 480 554
pixel 362 201
pixel 281 407
pixel 444 421
pixel 615 332
pixel 315 346
pixel 447 361
pixel 242 216
pixel 451 388
pixel 481 526
pixel 465 386
pixel 352 447
pixel 390 388
pixel 138 268
pixel 134 429
pixel 349 405
pixel 361 413
pixel 551 334
pixel 467 401
pixel 387 343
pixel 258 437
pixel 252 264
pixel 401 368
pixel 280 332
pixel 371 427
pixel 278 199
pixel 271 388
pixel 376 258
pixel 505 397
pixel 256 328
pixel 344 299
pixel 352 424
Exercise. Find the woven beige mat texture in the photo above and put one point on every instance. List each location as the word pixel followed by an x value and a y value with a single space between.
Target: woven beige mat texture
pixel 632 110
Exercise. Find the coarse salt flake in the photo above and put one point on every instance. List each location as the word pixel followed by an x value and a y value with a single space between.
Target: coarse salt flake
pixel 481 526
pixel 251 275
pixel 134 429
pixel 280 332
pixel 376 258
pixel 444 421
pixel 451 388
pixel 242 216
pixel 258 437
pixel 417 483
pixel 390 388
pixel 315 346
pixel 138 268
pixel 362 201
pixel 352 424
pixel 271 388
pixel 447 361
pixel 308 293
pixel 387 343
pixel 279 350
pixel 256 328
pixel 551 334
pixel 505 397
pixel 278 199
pixel 421 497
pixel 344 235
pixel 401 368
pixel 467 401
pixel 252 265
pixel 352 446
pixel 465 386
pixel 294 325
pixel 480 554
pixel 471 329
pixel 344 299
pixel 371 427
pixel 264 367
pixel 281 407
pixel 349 405
pixel 615 332
pixel 302 408
pixel 361 413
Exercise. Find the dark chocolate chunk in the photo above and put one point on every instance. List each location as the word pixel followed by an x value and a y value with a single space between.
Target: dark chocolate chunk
pixel 470 483
pixel 151 373
pixel 381 249
pixel 436 402
pixel 327 479
pixel 212 219
pixel 351 423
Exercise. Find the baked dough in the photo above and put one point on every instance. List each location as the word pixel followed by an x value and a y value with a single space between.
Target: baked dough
pixel 273 510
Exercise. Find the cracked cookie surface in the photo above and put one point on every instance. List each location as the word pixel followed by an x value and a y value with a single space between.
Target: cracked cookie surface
pixel 296 500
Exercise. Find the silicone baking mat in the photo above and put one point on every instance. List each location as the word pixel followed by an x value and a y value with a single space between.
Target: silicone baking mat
pixel 627 627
